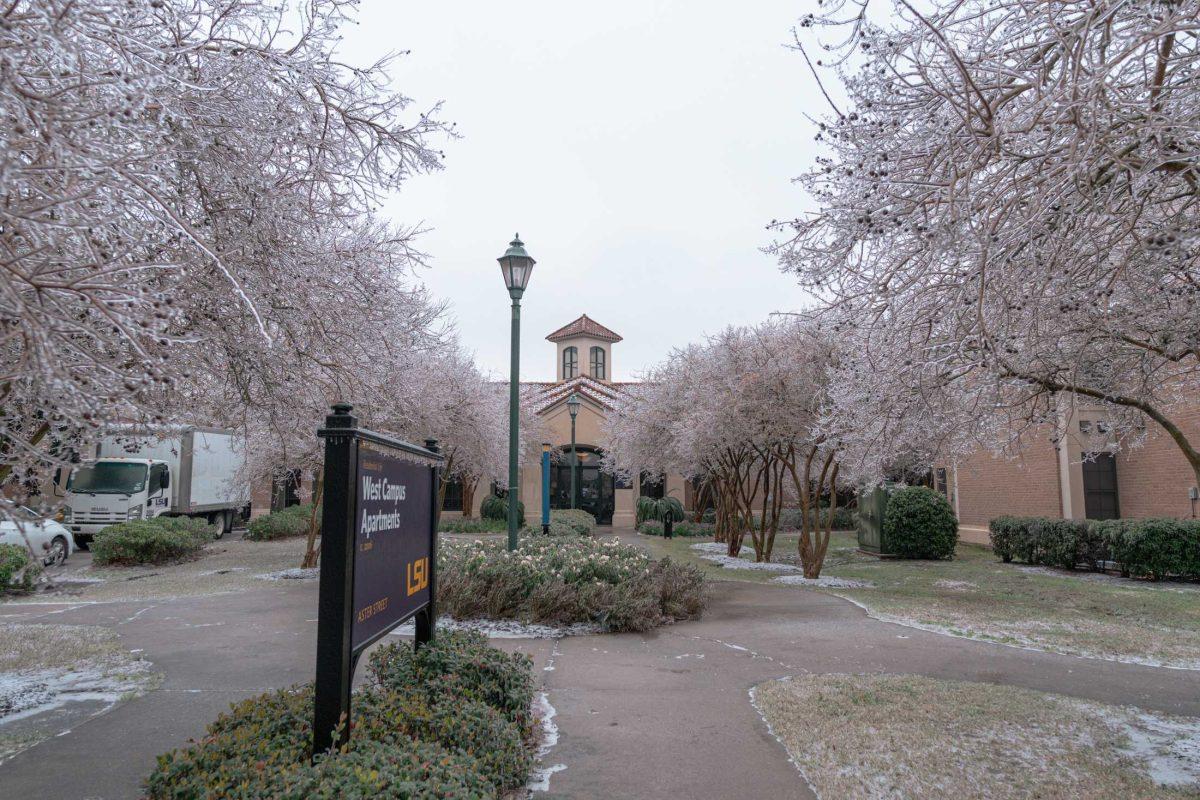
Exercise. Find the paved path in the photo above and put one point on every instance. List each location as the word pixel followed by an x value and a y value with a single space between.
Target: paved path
pixel 658 715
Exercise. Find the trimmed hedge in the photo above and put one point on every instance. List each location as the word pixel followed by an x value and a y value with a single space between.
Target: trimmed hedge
pixel 472 525
pixel 687 528
pixel 1153 547
pixel 160 540
pixel 919 523
pixel 581 521
pixel 18 571
pixel 494 507
pixel 843 518
pixel 452 720
pixel 291 521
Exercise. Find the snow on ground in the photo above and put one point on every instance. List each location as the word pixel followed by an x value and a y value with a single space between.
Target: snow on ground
pixel 717 553
pixel 506 628
pixel 1169 747
pixel 55 676
pixel 292 574
pixel 956 585
pixel 539 781
pixel 823 583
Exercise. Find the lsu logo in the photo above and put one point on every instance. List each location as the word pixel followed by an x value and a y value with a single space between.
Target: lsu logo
pixel 418 575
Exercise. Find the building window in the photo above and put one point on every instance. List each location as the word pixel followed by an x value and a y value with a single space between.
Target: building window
pixel 939 481
pixel 597 357
pixel 570 365
pixel 453 498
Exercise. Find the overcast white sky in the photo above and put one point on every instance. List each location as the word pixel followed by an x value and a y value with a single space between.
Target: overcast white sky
pixel 639 148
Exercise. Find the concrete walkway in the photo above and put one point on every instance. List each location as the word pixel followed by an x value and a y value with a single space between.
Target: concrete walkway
pixel 660 715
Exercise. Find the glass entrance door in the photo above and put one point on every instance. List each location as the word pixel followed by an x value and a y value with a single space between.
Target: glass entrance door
pixel 594 490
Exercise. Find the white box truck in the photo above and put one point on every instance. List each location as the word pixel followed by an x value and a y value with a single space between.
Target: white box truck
pixel 193 472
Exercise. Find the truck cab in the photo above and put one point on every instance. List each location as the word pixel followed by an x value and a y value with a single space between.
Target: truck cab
pixel 111 490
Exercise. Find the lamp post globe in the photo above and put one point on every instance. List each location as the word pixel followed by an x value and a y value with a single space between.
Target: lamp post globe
pixel 573 409
pixel 516 266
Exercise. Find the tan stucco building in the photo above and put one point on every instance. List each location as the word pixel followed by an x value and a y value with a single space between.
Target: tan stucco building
pixel 584 366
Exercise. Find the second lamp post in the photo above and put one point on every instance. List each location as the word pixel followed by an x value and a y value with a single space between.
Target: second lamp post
pixel 573 407
pixel 515 265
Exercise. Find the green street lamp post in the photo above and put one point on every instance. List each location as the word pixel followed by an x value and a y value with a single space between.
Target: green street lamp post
pixel 515 266
pixel 573 408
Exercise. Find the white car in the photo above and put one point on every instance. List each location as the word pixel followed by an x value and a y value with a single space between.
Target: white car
pixel 50 541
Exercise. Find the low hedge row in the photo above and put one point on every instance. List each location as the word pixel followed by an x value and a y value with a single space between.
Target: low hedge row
pixel 472 525
pixel 160 540
pixel 1153 547
pixel 291 521
pixel 686 528
pixel 577 519
pixel 18 571
pixel 450 720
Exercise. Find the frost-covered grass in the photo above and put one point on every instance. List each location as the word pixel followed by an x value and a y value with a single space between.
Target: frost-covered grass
pixel 54 675
pixel 869 737
pixel 977 596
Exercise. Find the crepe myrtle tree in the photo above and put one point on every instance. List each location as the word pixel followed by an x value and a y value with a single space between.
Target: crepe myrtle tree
pixel 467 413
pixel 741 412
pixel 187 195
pixel 1007 206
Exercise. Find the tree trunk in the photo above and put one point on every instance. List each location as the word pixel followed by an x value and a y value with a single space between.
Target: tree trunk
pixel 312 550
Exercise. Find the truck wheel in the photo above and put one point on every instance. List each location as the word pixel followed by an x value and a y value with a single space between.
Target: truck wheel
pixel 220 521
pixel 58 552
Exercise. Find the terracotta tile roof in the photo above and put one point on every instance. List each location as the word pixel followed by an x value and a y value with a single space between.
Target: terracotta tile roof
pixel 546 395
pixel 584 326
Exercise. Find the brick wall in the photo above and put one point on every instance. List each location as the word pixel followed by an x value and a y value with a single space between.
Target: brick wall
pixel 1027 484
pixel 1153 479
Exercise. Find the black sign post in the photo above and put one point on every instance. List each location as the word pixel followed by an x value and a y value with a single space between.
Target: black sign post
pixel 378 556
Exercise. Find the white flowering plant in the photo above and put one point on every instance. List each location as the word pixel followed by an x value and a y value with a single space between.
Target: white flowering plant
pixel 560 580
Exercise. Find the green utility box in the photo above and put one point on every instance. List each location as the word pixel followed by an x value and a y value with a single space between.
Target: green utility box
pixel 872 504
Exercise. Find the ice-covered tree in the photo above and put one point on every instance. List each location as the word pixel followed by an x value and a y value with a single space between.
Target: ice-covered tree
pixel 187 191
pixel 1007 208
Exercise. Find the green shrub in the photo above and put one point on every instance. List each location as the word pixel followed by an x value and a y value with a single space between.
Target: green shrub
pixel 557 528
pixel 472 525
pixel 291 521
pixel 1007 534
pixel 650 508
pixel 18 571
pixel 687 528
pixel 452 720
pixel 151 541
pixel 458 666
pixel 565 580
pixel 1154 547
pixel 583 522
pixel 919 523
pixel 494 507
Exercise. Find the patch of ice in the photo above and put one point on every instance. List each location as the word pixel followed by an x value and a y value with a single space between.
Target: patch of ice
pixel 30 692
pixel 717 553
pixel 539 781
pixel 292 574
pixel 506 628
pixel 1169 747
pixel 690 655
pixel 823 583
